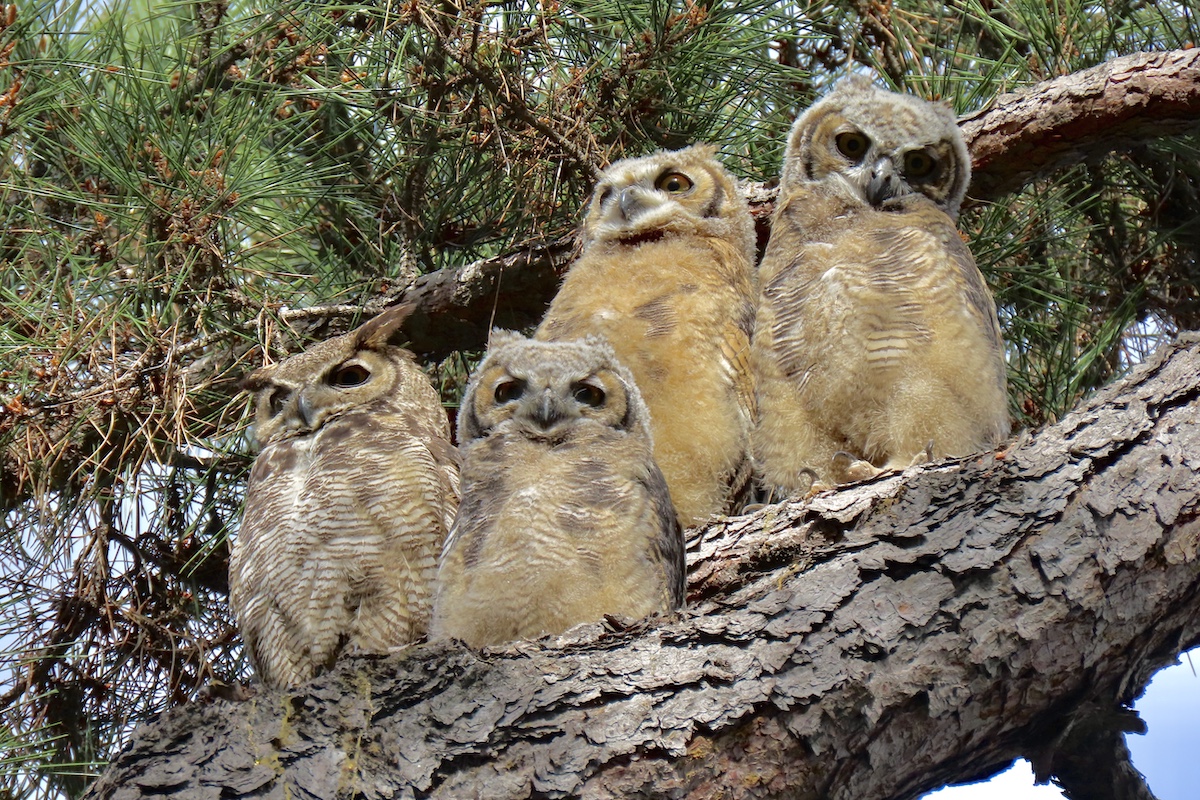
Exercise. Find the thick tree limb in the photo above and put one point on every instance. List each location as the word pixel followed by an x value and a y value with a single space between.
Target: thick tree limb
pixel 457 308
pixel 874 642
pixel 1113 106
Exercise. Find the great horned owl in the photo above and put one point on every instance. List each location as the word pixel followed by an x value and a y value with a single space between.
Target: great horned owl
pixel 565 517
pixel 666 277
pixel 875 333
pixel 347 505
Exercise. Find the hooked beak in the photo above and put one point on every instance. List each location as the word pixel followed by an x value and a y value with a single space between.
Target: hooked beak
pixel 305 410
pixel 883 183
pixel 631 202
pixel 547 414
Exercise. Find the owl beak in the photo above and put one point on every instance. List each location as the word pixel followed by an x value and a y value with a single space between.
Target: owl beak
pixel 883 182
pixel 547 414
pixel 631 202
pixel 305 410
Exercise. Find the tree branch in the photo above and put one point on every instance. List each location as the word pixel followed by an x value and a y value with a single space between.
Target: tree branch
pixel 873 642
pixel 1118 104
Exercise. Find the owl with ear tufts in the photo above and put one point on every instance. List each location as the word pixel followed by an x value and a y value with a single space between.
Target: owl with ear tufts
pixel 876 342
pixel 565 516
pixel 347 506
pixel 666 276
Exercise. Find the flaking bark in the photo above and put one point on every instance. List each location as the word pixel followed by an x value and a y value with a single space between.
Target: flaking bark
pixel 874 642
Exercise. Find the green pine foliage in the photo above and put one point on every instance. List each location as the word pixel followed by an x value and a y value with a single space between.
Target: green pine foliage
pixel 174 176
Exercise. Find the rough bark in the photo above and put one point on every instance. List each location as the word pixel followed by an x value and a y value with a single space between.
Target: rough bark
pixel 874 642
pixel 1113 106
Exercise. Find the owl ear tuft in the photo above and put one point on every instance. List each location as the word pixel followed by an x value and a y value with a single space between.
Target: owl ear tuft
pixel 699 151
pixel 855 83
pixel 600 342
pixel 384 329
pixel 256 380
pixel 501 338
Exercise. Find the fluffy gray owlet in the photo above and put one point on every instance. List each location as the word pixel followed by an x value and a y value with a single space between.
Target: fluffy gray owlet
pixel 875 333
pixel 347 507
pixel 666 276
pixel 565 517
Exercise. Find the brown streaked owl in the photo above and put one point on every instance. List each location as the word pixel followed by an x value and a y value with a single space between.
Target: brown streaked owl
pixel 347 506
pixel 666 277
pixel 876 342
pixel 565 517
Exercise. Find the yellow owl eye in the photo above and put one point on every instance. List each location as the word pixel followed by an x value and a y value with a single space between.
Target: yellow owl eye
pixel 507 391
pixel 588 394
pixel 918 164
pixel 673 183
pixel 349 375
pixel 852 145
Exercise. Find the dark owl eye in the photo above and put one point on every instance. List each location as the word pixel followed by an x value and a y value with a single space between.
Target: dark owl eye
pixel 507 391
pixel 278 400
pixel 852 145
pixel 588 394
pixel 673 183
pixel 604 195
pixel 349 375
pixel 918 164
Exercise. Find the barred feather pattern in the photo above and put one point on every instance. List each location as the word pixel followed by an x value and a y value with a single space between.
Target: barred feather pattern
pixel 875 333
pixel 667 278
pixel 565 516
pixel 347 507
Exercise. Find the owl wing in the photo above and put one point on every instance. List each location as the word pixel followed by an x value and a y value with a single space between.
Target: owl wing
pixel 962 272
pixel 261 575
pixel 339 545
pixel 735 353
pixel 667 546
pixel 923 214
pixel 901 268
pixel 404 504
pixel 789 275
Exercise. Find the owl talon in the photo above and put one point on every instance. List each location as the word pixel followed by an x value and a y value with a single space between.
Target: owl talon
pixel 848 469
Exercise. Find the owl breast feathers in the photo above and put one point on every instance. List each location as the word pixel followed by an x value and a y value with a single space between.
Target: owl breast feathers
pixel 565 517
pixel 666 277
pixel 875 333
pixel 347 505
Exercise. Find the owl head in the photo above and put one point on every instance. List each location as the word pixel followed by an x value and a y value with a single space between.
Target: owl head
pixel 875 145
pixel 670 192
pixel 550 390
pixel 298 395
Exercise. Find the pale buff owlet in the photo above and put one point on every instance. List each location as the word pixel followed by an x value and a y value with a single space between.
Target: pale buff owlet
pixel 347 507
pixel 565 517
pixel 876 337
pixel 666 277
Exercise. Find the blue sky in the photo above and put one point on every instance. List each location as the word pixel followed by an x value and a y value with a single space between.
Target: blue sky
pixel 1167 755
